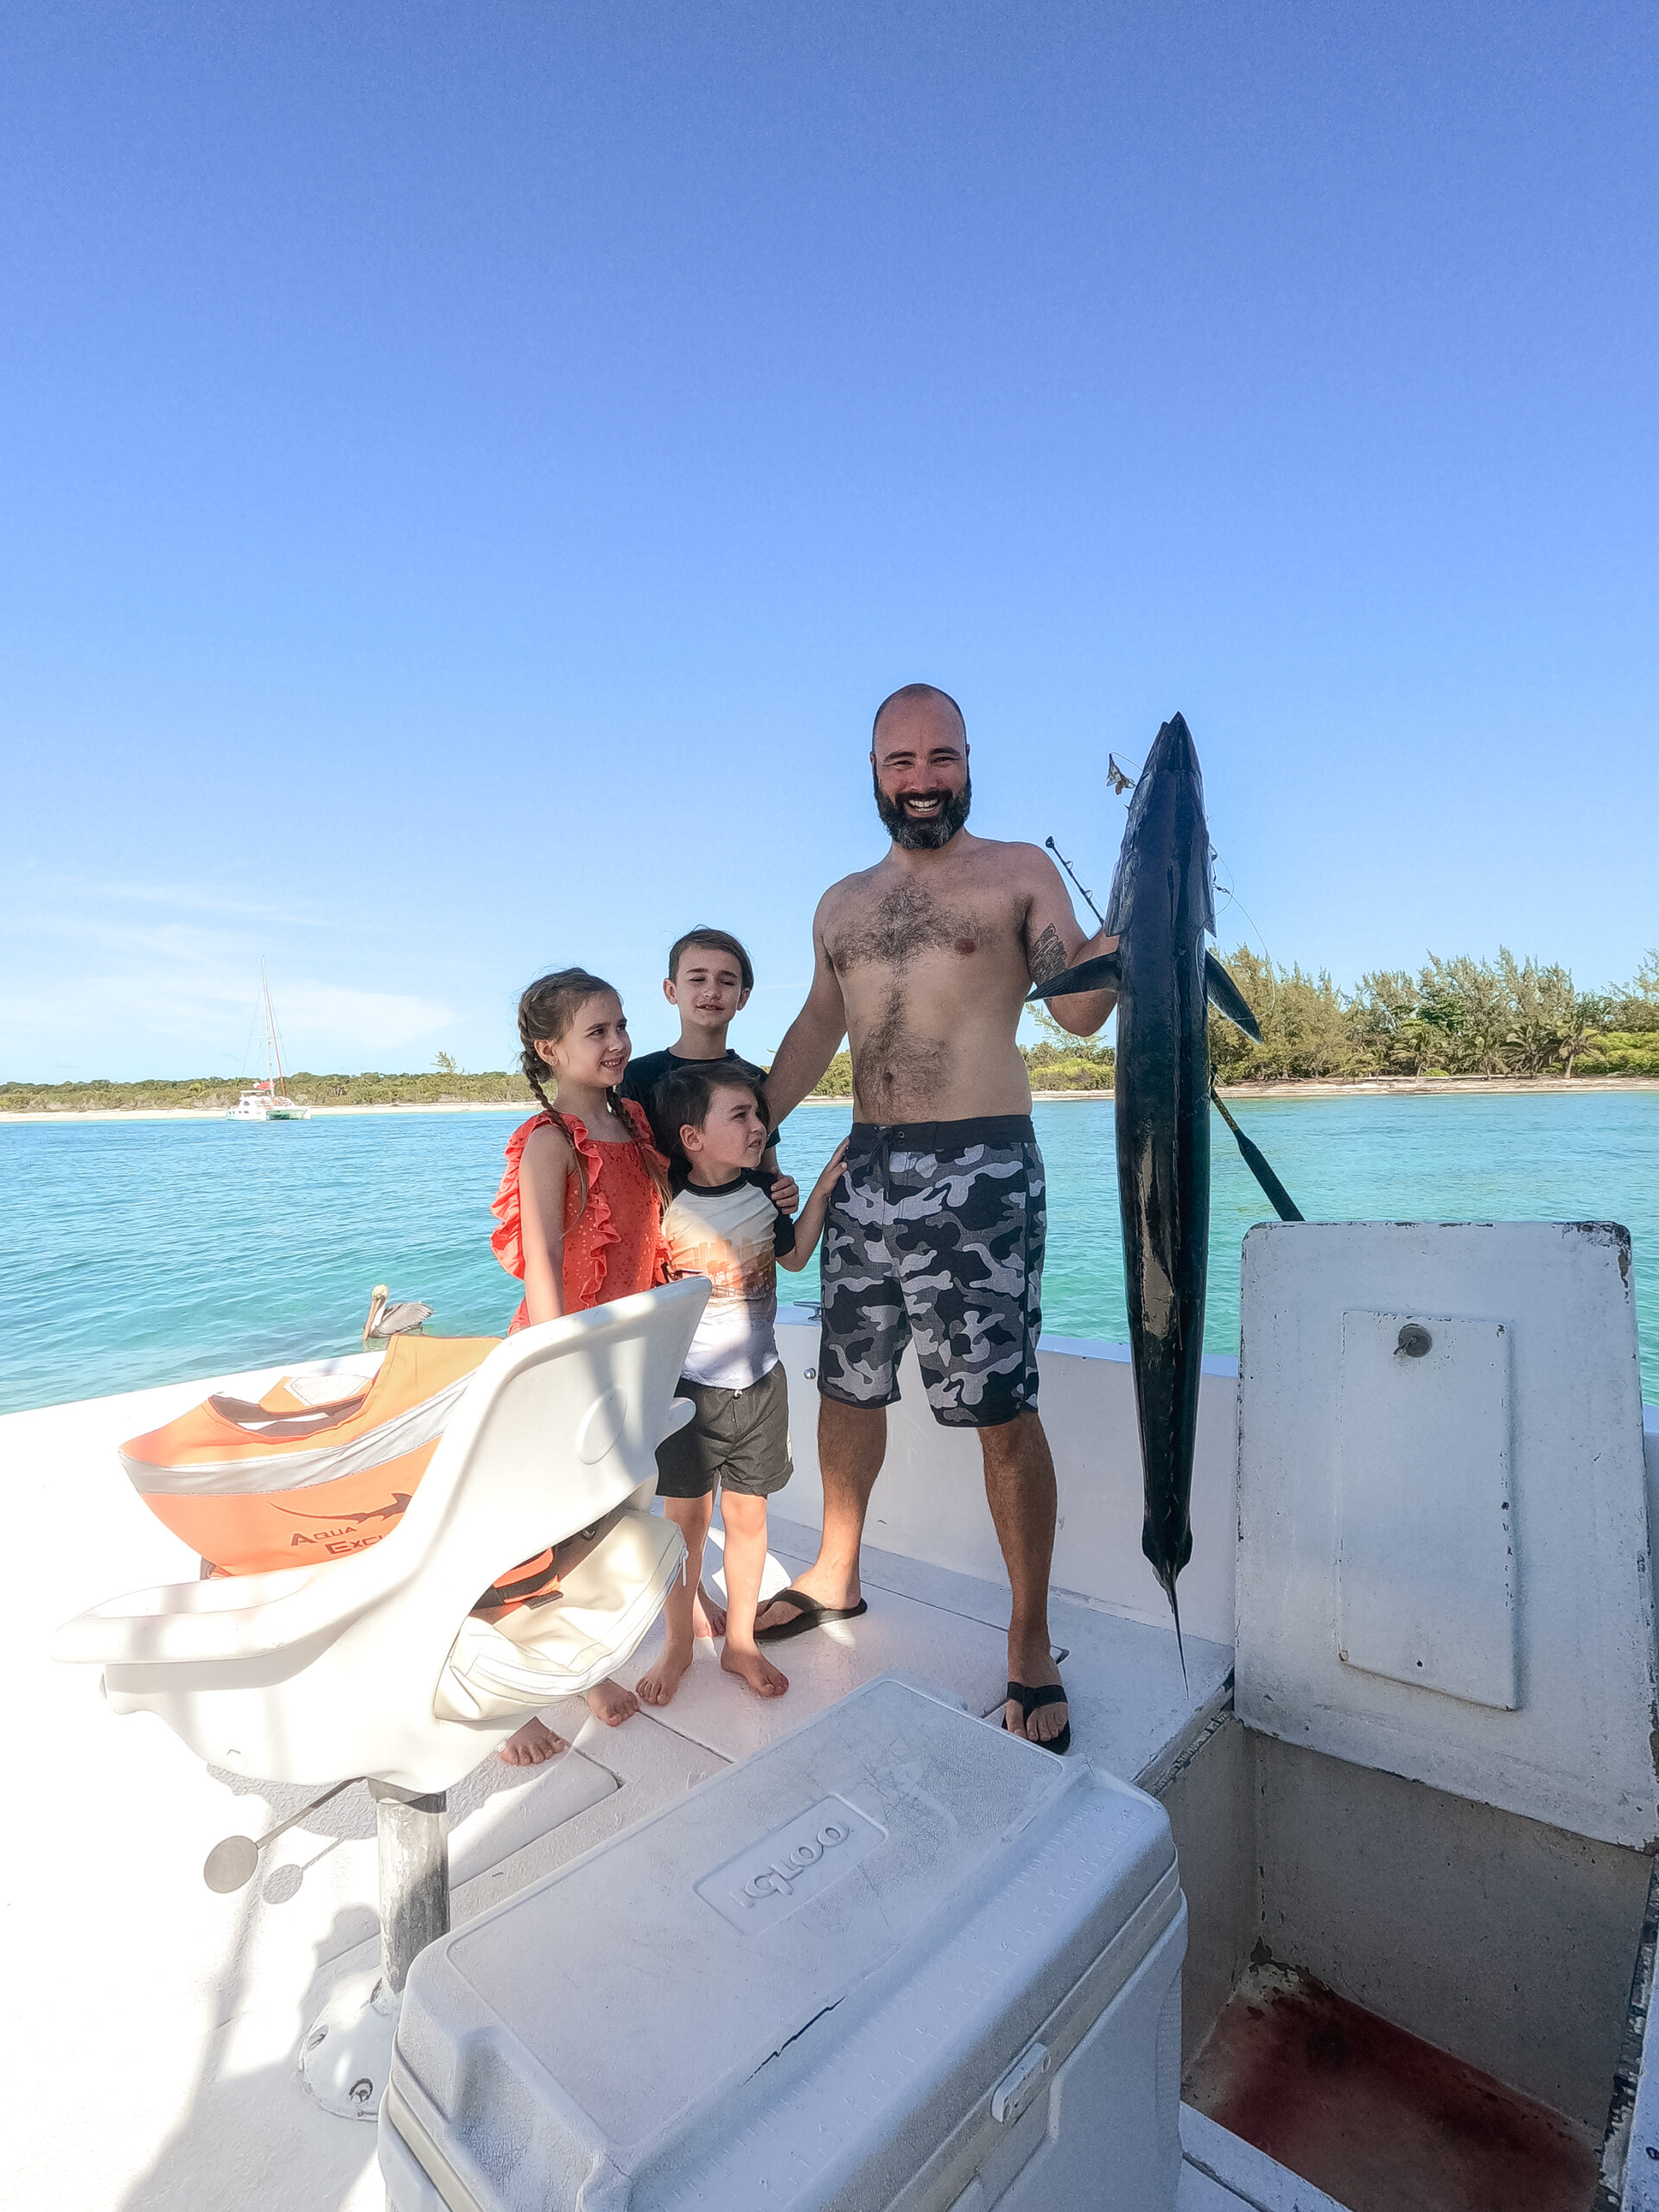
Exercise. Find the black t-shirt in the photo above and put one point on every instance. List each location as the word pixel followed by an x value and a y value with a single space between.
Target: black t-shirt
pixel 648 1073
pixel 647 1070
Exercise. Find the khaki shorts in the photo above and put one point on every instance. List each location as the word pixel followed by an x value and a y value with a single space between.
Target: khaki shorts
pixel 739 1439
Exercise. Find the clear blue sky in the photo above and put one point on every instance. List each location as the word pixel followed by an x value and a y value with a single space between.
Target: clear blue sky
pixel 471 470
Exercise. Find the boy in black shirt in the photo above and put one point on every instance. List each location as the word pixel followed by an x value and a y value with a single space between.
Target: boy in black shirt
pixel 709 979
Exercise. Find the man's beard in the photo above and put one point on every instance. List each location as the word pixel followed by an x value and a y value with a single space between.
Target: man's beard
pixel 924 837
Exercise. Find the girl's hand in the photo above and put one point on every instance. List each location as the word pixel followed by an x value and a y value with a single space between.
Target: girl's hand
pixel 786 1194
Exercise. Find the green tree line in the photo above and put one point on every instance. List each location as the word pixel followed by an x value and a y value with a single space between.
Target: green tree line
pixel 211 1093
pixel 1453 1017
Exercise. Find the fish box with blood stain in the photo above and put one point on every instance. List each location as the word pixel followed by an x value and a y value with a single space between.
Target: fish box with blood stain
pixel 1419 1853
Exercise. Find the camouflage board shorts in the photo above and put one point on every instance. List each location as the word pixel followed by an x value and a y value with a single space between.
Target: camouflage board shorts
pixel 935 1231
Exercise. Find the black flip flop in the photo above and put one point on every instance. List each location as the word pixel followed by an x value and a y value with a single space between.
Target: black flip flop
pixel 1029 1700
pixel 812 1615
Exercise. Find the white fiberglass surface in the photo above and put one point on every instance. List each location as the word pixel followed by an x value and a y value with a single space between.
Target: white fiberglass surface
pixel 102 1877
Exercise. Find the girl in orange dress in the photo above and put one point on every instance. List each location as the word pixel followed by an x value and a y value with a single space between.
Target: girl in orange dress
pixel 580 1205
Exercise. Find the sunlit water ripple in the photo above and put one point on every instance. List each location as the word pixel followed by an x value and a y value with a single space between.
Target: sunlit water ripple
pixel 140 1252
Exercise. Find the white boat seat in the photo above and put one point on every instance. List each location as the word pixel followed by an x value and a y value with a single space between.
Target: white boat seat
pixel 374 1664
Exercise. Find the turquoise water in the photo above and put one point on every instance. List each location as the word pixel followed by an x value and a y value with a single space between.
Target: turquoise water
pixel 140 1252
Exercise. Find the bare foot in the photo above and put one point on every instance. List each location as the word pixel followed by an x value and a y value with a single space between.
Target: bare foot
pixel 707 1615
pixel 1033 1666
pixel 609 1702
pixel 773 1613
pixel 659 1683
pixel 532 1744
pixel 756 1669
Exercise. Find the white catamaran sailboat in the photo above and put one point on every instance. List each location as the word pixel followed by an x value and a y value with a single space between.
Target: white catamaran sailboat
pixel 268 1101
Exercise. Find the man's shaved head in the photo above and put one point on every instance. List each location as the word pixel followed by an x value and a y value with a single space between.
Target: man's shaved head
pixel 923 790
pixel 907 691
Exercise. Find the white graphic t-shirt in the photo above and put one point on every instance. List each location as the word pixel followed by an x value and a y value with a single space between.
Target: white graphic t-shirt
pixel 732 1235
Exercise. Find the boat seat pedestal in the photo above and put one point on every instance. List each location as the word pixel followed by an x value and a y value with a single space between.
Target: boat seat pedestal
pixel 347 2048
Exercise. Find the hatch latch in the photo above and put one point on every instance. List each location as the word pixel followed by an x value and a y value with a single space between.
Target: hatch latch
pixel 1020 2085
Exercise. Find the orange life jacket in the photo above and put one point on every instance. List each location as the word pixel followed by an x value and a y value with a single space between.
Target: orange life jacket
pixel 286 1481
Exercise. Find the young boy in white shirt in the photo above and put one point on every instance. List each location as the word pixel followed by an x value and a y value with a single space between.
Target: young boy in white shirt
pixel 721 1223
pixel 710 978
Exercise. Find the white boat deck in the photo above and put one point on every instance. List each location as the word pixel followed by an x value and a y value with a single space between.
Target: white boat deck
pixel 155 2025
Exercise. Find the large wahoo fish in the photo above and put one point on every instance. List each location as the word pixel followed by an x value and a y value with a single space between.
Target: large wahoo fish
pixel 1161 910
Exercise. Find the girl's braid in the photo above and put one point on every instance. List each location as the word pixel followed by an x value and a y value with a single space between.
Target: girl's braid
pixel 545 1012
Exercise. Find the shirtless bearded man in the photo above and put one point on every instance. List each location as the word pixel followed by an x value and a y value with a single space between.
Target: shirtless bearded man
pixel 935 1231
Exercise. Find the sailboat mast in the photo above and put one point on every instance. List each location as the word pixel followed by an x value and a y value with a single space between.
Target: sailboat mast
pixel 273 1050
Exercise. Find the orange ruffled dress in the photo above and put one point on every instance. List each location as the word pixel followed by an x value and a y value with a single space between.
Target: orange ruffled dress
pixel 613 1244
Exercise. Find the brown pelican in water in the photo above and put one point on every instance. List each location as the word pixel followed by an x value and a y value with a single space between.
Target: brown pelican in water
pixel 386 1320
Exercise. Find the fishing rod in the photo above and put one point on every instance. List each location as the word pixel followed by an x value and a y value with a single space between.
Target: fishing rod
pixel 1072 873
pixel 1277 1196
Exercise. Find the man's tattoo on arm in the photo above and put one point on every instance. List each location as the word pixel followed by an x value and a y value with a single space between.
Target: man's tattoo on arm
pixel 1047 956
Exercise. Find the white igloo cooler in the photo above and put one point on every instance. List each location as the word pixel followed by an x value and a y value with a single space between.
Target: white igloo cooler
pixel 899 1959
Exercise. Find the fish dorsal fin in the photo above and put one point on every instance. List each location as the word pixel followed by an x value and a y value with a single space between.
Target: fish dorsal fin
pixel 1225 996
